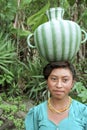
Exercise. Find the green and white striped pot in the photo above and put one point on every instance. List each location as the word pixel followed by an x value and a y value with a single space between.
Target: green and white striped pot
pixel 57 39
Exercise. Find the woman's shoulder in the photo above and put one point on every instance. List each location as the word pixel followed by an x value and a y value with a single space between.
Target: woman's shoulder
pixel 79 107
pixel 79 104
pixel 79 112
pixel 34 113
pixel 38 107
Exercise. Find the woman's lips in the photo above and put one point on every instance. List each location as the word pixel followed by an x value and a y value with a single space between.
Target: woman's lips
pixel 58 91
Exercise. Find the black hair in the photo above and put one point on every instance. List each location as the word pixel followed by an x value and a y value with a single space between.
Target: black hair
pixel 59 64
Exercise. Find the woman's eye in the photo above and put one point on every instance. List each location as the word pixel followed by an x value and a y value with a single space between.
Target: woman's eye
pixel 65 80
pixel 53 78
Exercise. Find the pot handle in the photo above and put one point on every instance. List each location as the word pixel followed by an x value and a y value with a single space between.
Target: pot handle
pixel 28 41
pixel 85 34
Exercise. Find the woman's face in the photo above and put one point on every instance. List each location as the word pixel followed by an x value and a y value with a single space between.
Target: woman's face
pixel 60 82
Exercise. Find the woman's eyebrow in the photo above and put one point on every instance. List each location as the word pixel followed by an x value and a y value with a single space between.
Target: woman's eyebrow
pixel 57 75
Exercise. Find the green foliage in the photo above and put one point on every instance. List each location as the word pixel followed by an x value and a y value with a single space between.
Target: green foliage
pixel 7 50
pixel 20 32
pixel 17 84
pixel 24 3
pixel 7 58
pixel 38 18
pixel 36 85
pixel 10 107
pixel 81 70
pixel 79 92
pixel 1 122
pixel 83 18
pixel 8 10
pixel 64 4
pixel 14 89
pixel 6 78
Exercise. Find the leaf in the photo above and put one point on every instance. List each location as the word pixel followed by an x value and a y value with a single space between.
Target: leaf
pixel 20 32
pixel 85 71
pixel 25 2
pixel 7 53
pixel 83 16
pixel 64 4
pixel 78 87
pixel 36 19
pixel 24 33
pixel 83 95
pixel 5 70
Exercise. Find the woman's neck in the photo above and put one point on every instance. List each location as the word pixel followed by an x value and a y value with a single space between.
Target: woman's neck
pixel 60 103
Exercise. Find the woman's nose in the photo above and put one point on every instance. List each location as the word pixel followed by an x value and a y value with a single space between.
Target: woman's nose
pixel 59 84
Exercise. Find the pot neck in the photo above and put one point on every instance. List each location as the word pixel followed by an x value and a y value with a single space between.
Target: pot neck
pixel 55 13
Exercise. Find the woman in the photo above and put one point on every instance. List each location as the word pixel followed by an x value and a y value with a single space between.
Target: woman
pixel 60 112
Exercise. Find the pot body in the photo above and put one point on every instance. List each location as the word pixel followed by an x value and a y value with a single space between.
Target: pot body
pixel 58 40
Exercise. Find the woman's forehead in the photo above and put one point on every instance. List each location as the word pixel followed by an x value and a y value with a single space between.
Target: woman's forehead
pixel 61 71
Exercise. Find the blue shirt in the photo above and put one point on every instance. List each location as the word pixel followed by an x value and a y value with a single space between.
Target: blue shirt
pixel 37 118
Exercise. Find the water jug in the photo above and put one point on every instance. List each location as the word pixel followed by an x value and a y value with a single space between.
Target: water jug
pixel 57 39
